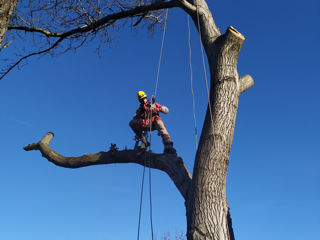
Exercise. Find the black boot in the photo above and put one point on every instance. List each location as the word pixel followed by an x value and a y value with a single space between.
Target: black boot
pixel 168 145
pixel 168 148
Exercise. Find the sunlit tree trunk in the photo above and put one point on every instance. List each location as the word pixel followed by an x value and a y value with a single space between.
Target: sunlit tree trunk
pixel 207 208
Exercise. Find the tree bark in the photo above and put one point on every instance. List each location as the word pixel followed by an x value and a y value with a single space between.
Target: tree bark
pixel 6 10
pixel 208 214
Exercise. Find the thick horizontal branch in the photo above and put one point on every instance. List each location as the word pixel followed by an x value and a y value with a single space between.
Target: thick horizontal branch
pixel 169 163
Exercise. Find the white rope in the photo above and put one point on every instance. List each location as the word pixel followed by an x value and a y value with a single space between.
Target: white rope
pixel 191 84
pixel 150 122
pixel 155 93
pixel 161 50
pixel 141 197
pixel 204 66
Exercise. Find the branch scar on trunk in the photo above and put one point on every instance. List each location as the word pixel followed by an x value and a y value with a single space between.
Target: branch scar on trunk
pixel 169 163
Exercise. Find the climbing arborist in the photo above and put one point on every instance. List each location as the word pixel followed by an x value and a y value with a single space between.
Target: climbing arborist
pixel 146 114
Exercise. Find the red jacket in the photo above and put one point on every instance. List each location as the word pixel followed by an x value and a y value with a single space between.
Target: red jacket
pixel 143 112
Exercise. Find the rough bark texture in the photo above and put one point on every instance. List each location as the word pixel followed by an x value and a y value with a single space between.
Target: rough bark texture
pixel 207 208
pixel 6 9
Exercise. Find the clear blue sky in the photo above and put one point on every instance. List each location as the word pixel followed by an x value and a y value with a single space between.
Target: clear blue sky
pixel 87 101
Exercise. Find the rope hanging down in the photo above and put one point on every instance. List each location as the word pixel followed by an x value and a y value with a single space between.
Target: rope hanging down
pixel 191 75
pixel 204 65
pixel 141 197
pixel 149 137
pixel 141 193
pixel 161 50
pixel 191 85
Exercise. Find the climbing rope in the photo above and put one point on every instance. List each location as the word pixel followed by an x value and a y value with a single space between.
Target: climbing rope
pixel 191 85
pixel 204 66
pixel 155 94
pixel 141 193
pixel 150 195
pixel 150 121
pixel 149 137
pixel 191 75
pixel 161 50
pixel 194 115
pixel 141 198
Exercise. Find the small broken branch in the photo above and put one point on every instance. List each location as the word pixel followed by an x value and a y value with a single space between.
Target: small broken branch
pixel 246 82
pixel 169 163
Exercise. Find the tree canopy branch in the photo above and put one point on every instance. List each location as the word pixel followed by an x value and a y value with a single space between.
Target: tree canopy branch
pixel 133 12
pixel 30 55
pixel 103 22
pixel 169 163
pixel 35 29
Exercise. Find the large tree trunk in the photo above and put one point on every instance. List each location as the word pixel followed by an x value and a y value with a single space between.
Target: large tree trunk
pixel 207 208
pixel 6 10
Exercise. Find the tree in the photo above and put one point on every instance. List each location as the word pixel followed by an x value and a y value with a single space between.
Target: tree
pixel 206 204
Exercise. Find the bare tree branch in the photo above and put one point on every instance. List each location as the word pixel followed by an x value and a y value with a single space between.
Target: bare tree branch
pixel 189 6
pixel 94 26
pixel 35 29
pixel 169 163
pixel 133 12
pixel 30 55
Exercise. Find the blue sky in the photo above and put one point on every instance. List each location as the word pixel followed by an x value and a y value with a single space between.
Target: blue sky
pixel 87 101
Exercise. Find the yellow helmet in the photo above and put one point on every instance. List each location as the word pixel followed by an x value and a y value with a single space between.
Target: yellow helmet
pixel 141 95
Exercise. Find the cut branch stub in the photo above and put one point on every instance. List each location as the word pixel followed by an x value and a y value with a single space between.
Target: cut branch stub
pixel 246 82
pixel 169 163
pixel 235 32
